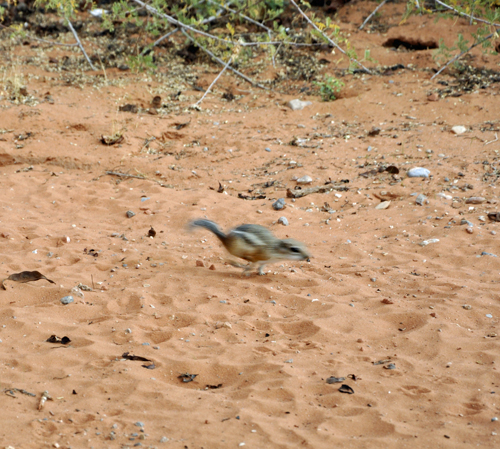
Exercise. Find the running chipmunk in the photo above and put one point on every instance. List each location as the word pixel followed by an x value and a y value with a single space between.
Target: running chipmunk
pixel 256 244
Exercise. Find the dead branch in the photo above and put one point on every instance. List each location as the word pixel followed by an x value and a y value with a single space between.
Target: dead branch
pixel 213 82
pixel 463 14
pixel 372 14
pixel 332 42
pixel 452 60
pixel 70 25
pixel 220 61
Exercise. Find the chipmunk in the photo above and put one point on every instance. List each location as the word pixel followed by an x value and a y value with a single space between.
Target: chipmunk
pixel 256 244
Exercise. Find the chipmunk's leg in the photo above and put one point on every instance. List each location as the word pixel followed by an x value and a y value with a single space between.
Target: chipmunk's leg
pixel 248 269
pixel 261 266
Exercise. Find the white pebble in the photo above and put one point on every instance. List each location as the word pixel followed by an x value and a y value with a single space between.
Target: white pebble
pixel 458 129
pixel 418 172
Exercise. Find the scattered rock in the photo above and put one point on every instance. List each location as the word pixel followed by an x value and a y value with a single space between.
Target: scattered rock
pixel 283 221
pixel 420 199
pixel 467 306
pixel 297 105
pixel 484 253
pixel 334 380
pixel 383 205
pixel 130 214
pixel 305 180
pixel 199 263
pixel 433 97
pixel 67 299
pixel 469 230
pixel 418 172
pixel 458 129
pixel 494 216
pixel 475 200
pixel 212 267
pixel 444 196
pixel 279 204
pixel 387 301
pixel 426 242
pixel 466 222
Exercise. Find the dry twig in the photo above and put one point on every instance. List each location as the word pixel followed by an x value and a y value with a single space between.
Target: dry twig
pixel 70 25
pixel 372 14
pixel 332 42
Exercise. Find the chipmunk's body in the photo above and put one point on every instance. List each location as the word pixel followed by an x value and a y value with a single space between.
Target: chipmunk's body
pixel 256 244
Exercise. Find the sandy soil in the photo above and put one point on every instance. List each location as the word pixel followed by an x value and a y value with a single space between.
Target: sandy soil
pixel 262 347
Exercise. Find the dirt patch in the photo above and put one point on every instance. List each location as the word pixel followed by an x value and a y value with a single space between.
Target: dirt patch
pixel 410 284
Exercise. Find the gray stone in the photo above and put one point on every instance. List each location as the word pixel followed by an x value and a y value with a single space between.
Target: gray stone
pixel 279 204
pixel 283 221
pixel 418 172
pixel 297 105
pixel 67 299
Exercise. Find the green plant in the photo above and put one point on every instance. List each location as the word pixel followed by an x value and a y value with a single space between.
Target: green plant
pixel 329 87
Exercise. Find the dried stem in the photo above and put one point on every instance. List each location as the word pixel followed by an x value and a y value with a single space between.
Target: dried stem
pixel 213 82
pixel 463 14
pixel 220 61
pixel 332 42
pixel 70 25
pixel 451 61
pixel 372 14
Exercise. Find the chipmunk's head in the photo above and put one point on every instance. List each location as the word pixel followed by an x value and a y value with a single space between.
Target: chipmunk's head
pixel 293 250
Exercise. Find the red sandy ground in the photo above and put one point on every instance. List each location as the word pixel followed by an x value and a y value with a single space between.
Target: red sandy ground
pixel 262 346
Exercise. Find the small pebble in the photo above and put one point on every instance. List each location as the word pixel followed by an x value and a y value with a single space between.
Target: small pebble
pixel 289 361
pixel 279 204
pixel 420 199
pixel 458 129
pixel 418 172
pixel 466 222
pixel 163 439
pixel 128 330
pixel 444 196
pixel 475 200
pixel 268 150
pixel 139 424
pixel 470 230
pixel 494 419
pixel 283 221
pixel 467 307
pixel 305 180
pixel 390 366
pixel 489 315
pixel 130 214
pixel 67 299
pixel 426 242
pixel 297 105
pixel 484 253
